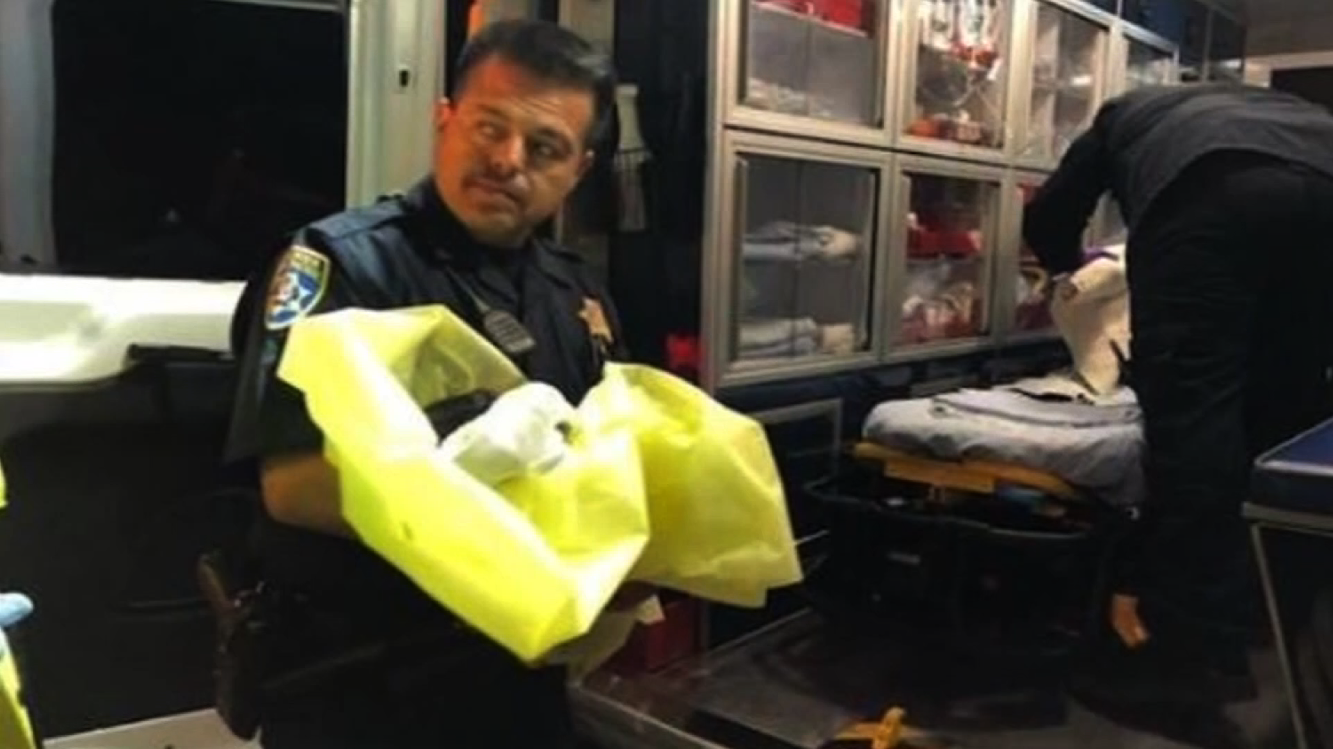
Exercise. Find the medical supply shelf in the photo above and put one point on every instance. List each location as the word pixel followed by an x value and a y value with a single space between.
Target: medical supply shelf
pixel 870 158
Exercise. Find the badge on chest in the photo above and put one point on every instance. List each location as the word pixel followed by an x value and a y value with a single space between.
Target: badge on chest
pixel 595 318
pixel 299 282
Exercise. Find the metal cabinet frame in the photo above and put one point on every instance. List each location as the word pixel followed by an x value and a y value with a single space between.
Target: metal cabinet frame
pixel 1025 29
pixel 396 74
pixel 1208 61
pixel 905 71
pixel 890 320
pixel 889 148
pixel 1119 58
pixel 731 36
pixel 721 262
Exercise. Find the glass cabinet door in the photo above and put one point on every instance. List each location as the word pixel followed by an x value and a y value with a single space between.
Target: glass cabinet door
pixel 804 258
pixel 1032 309
pixel 949 235
pixel 1148 65
pixel 821 59
pixel 1193 40
pixel 1184 23
pixel 1068 67
pixel 958 95
pixel 1226 49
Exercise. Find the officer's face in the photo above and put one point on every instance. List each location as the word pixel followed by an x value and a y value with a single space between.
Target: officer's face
pixel 510 150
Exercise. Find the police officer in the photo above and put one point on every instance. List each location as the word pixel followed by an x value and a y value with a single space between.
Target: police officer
pixel 1228 195
pixel 530 103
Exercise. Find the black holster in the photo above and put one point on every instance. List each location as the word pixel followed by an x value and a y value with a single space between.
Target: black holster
pixel 241 656
pixel 264 658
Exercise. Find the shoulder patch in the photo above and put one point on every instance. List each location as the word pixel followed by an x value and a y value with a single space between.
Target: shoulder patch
pixel 301 278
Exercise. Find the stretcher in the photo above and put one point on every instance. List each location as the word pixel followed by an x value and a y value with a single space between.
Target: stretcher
pixel 976 525
pixel 1023 434
pixel 1070 436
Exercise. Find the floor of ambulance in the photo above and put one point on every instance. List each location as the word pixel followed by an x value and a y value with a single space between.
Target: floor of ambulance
pixel 799 683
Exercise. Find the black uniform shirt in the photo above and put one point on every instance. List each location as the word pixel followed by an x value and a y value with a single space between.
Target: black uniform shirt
pixel 402 252
pixel 1141 142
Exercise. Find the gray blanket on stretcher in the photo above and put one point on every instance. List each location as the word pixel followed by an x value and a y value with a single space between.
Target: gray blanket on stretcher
pixel 1095 446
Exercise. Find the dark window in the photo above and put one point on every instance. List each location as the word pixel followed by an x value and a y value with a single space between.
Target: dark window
pixel 192 136
pixel 1314 84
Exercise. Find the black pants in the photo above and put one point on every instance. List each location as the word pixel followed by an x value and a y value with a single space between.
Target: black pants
pixel 485 700
pixel 1230 281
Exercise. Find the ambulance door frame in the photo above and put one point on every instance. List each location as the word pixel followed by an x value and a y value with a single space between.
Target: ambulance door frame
pixel 395 78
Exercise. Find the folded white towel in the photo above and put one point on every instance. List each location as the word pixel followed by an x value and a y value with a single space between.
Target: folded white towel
pixel 787 241
pixel 788 349
pixel 764 333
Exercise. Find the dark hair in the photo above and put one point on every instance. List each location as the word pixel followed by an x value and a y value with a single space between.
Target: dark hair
pixel 551 53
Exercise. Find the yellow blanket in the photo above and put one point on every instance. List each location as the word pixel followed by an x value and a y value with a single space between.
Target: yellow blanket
pixel 15 728
pixel 662 485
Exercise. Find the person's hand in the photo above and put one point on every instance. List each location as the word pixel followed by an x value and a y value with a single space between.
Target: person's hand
pixel 451 413
pixel 1126 622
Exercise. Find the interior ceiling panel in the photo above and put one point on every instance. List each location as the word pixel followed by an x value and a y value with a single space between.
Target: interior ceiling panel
pixel 1288 27
pixel 1278 11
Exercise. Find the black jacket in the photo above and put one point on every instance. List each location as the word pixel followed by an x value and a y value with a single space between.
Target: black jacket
pixel 1142 141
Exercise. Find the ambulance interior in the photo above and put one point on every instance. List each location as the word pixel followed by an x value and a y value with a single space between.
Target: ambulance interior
pixel 154 154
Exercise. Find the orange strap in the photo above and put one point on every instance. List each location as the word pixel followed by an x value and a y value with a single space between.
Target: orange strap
pixel 979 476
pixel 886 734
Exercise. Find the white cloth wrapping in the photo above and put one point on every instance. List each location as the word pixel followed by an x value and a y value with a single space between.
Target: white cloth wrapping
pixel 522 432
pixel 1091 311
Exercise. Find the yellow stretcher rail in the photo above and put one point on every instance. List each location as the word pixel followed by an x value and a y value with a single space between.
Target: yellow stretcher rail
pixel 15 727
pixel 886 734
pixel 979 476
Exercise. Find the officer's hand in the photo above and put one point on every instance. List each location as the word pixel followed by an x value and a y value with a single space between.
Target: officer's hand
pixel 522 432
pixel 1126 621
pixel 451 413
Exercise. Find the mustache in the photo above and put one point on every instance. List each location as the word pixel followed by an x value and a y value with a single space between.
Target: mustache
pixel 504 187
